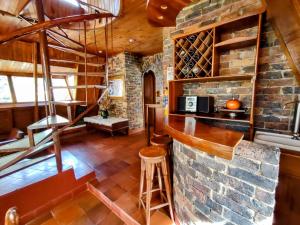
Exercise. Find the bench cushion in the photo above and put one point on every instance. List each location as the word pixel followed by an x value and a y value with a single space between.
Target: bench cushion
pixel 105 122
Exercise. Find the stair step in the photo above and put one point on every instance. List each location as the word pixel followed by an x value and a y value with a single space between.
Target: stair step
pixel 23 144
pixel 51 121
pixel 23 164
pixel 6 160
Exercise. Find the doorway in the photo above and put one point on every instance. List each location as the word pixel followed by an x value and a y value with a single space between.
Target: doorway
pixel 149 95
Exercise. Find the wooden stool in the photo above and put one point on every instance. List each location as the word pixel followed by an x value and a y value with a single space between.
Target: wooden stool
pixel 161 141
pixel 152 157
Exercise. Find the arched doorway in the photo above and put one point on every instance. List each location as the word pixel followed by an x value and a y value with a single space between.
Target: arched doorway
pixel 149 94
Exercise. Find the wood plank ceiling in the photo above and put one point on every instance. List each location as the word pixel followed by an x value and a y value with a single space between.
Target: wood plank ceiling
pixel 131 24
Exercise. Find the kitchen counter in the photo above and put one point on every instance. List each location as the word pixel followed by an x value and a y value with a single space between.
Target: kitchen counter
pixel 216 141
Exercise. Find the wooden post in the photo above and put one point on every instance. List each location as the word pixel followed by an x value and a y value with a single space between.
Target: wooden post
pixel 35 76
pixel 85 65
pixel 45 57
pixel 57 150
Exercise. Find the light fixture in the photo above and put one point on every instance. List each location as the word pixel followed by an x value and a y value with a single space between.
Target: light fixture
pixel 100 51
pixel 160 17
pixel 164 7
pixel 131 40
pixel 73 2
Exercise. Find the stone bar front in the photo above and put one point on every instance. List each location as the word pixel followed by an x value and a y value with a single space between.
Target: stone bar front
pixel 213 190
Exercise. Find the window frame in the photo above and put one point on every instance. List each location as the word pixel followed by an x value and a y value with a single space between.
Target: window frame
pixel 14 101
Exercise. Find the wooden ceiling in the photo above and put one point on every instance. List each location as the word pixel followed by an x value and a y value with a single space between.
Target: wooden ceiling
pixel 131 24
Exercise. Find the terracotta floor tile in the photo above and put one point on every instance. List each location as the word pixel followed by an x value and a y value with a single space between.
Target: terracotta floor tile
pixel 111 219
pixel 86 201
pixel 67 213
pixel 84 220
pixel 128 203
pixel 41 219
pixel 105 184
pixel 50 222
pixel 98 213
pixel 115 192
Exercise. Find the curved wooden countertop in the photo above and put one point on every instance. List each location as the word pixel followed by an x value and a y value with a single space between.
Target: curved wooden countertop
pixel 213 140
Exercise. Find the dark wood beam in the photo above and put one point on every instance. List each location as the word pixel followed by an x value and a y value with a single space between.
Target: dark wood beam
pixel 43 25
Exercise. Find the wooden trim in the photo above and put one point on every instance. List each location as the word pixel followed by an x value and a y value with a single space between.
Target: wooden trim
pixel 195 29
pixel 75 62
pixel 45 56
pixel 43 25
pixel 35 76
pixel 69 90
pixel 12 89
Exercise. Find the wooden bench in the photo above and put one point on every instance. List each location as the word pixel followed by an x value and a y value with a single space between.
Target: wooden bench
pixel 111 124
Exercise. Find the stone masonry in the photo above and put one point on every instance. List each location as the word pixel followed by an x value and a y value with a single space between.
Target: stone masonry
pixel 132 67
pixel 212 190
pixel 276 84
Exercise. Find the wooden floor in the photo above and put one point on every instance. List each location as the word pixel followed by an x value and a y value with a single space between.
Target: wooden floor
pixel 117 166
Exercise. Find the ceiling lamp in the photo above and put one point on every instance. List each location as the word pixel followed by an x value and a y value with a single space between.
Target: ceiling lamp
pixel 160 17
pixel 131 40
pixel 164 7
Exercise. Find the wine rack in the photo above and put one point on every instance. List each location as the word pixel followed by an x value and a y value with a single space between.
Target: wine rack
pixel 193 55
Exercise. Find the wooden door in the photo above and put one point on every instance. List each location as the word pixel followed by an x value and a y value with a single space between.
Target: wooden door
pixel 149 94
pixel 287 209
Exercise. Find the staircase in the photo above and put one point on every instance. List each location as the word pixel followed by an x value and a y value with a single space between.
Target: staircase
pixel 45 133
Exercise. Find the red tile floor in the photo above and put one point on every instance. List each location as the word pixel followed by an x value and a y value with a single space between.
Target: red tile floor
pixel 117 165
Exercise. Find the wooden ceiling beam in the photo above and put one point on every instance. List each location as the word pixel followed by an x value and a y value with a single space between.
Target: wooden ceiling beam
pixel 72 50
pixel 75 62
pixel 4 38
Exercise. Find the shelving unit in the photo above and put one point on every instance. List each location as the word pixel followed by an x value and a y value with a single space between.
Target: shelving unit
pixel 197 59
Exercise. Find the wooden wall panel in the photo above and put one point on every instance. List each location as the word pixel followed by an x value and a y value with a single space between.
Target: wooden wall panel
pixel 6 121
pixel 22 117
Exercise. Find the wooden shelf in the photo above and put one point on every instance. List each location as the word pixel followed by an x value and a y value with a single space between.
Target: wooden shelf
pixel 217 78
pixel 215 116
pixel 238 42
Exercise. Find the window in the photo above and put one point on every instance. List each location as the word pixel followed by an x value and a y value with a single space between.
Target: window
pixel 24 89
pixel 5 95
pixel 60 93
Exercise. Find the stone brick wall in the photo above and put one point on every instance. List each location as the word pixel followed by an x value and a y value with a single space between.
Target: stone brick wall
pixel 212 190
pixel 154 63
pixel 117 68
pixel 132 67
pixel 134 90
pixel 276 84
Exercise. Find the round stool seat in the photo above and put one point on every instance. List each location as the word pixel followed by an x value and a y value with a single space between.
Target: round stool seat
pixel 152 152
pixel 162 141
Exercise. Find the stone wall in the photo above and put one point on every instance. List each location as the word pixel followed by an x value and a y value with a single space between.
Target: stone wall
pixel 276 84
pixel 117 68
pixel 211 190
pixel 154 63
pixel 132 67
pixel 134 90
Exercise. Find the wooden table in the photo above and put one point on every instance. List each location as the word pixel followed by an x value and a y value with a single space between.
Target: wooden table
pixel 111 124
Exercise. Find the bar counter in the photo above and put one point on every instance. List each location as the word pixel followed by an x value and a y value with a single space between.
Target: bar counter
pixel 216 141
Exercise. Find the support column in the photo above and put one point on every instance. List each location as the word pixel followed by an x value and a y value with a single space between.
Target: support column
pixel 45 57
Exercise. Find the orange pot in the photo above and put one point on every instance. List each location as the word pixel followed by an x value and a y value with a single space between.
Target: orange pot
pixel 233 104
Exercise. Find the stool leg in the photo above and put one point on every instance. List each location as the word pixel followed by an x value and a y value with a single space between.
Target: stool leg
pixel 159 181
pixel 148 191
pixel 152 178
pixel 167 185
pixel 142 182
